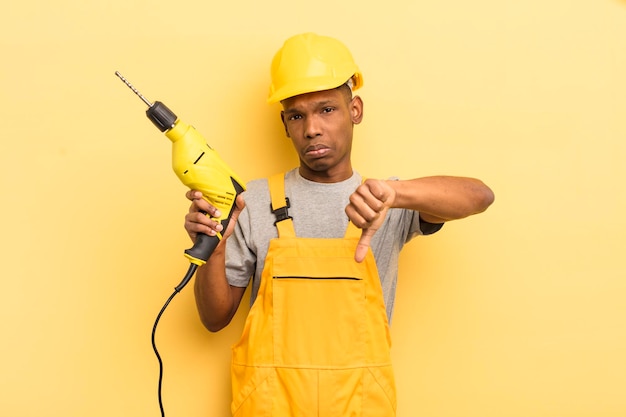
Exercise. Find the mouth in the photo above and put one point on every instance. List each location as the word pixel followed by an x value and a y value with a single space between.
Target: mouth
pixel 316 151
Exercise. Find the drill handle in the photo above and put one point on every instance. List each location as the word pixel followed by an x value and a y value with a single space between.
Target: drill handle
pixel 202 248
pixel 198 255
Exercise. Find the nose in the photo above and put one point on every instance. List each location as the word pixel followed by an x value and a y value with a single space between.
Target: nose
pixel 312 127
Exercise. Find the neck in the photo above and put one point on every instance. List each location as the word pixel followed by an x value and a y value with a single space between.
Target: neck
pixel 328 176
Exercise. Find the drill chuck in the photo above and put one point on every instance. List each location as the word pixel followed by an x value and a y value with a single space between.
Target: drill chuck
pixel 162 117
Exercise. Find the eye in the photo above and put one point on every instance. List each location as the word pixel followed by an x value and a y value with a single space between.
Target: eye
pixel 295 117
pixel 328 109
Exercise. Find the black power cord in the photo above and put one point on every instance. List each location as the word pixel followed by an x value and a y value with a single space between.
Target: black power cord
pixel 188 275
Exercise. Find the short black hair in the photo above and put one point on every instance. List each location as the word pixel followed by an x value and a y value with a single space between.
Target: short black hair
pixel 347 90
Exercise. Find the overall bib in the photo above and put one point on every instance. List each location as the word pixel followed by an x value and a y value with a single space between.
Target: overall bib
pixel 316 341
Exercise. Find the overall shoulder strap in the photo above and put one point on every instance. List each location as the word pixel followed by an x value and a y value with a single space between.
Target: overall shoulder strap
pixel 280 205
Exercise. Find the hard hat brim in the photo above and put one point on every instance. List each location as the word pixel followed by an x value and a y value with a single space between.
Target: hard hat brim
pixel 312 85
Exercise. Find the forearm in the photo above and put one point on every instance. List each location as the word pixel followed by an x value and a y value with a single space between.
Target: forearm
pixel 215 298
pixel 442 198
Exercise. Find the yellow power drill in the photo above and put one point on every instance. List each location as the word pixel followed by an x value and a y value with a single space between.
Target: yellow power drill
pixel 200 168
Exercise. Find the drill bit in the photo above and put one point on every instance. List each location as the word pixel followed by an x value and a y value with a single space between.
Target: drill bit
pixel 145 100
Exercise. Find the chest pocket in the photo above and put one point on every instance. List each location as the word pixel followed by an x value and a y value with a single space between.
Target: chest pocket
pixel 321 303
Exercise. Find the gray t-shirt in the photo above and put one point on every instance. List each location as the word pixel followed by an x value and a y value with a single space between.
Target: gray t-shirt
pixel 318 211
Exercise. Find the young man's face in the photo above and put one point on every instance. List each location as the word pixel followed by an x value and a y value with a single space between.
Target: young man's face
pixel 320 125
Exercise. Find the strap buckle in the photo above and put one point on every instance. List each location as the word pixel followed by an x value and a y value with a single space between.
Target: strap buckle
pixel 282 213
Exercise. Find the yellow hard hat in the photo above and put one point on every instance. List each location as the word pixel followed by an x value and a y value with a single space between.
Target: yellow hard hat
pixel 308 63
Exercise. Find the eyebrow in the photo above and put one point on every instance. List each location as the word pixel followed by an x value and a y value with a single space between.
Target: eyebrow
pixel 315 105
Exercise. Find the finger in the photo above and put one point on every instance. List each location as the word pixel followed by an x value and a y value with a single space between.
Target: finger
pixel 203 206
pixel 359 212
pixel 193 194
pixel 367 234
pixel 239 205
pixel 197 222
pixel 363 245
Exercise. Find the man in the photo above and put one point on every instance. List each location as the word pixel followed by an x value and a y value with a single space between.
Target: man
pixel 316 341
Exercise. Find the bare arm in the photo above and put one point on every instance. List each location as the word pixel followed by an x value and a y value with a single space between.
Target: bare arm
pixel 216 300
pixel 442 198
pixel 438 199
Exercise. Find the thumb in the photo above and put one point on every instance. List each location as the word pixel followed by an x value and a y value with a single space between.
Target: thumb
pixel 239 205
pixel 364 244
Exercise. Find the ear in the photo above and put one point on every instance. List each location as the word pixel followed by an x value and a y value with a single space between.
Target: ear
pixel 282 119
pixel 356 110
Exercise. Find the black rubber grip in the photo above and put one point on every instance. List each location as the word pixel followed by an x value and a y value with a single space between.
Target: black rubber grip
pixel 204 247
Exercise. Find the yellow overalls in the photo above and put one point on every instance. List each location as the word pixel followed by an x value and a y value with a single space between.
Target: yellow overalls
pixel 316 341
